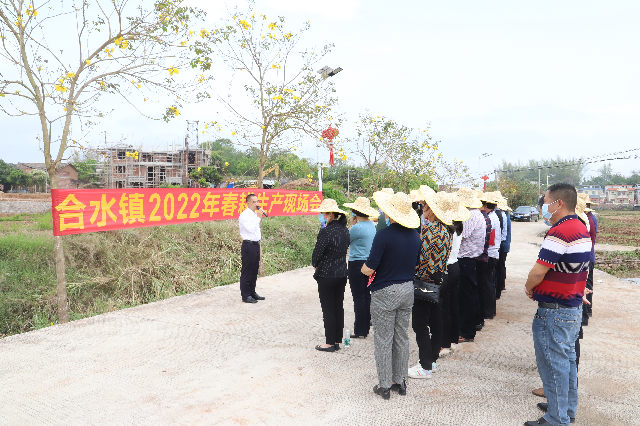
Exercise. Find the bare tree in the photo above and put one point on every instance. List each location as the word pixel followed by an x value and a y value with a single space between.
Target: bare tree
pixel 287 98
pixel 57 61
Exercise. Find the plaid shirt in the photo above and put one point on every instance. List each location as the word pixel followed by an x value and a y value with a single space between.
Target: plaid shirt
pixel 484 257
pixel 435 249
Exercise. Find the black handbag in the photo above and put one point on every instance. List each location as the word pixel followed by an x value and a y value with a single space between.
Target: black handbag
pixel 428 291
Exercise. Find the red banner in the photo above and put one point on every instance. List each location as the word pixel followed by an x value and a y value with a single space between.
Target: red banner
pixel 77 211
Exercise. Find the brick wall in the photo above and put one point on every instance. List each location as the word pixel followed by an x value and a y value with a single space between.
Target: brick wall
pixel 24 206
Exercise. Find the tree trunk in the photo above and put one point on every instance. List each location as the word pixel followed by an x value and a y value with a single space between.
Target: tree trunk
pixel 61 280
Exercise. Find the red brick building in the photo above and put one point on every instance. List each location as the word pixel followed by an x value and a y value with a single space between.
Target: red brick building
pixel 67 174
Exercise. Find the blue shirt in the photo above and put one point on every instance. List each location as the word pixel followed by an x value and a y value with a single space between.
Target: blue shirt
pixel 394 255
pixel 361 235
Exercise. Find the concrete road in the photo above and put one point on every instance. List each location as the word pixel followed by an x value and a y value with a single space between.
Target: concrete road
pixel 208 359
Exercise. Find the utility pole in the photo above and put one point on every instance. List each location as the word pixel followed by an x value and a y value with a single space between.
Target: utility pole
pixel 348 185
pixel 539 169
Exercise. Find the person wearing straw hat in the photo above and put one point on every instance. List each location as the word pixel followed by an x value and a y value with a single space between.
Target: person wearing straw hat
pixel 472 246
pixel 505 245
pixel 488 288
pixel 392 259
pixel 330 262
pixel 361 237
pixel 383 221
pixel 451 289
pixel 426 317
pixel 593 233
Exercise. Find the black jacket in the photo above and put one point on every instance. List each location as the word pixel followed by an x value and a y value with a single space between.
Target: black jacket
pixel 330 253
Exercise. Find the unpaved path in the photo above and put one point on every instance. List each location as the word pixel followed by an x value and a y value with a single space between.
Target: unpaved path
pixel 207 359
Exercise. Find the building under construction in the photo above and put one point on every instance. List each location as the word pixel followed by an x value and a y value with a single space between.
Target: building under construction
pixel 127 167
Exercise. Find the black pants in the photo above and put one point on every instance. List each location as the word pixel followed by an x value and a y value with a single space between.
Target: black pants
pixel 450 311
pixel 250 254
pixel 588 309
pixel 468 299
pixel 483 276
pixel 426 321
pixel 361 298
pixel 490 301
pixel 331 292
pixel 501 274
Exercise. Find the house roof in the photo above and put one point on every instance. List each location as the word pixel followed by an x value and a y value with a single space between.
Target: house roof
pixel 41 166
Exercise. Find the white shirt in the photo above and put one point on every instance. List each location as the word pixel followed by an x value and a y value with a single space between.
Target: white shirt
pixel 455 248
pixel 250 225
pixel 495 224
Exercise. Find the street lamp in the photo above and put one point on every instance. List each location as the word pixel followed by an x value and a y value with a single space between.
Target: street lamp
pixel 324 72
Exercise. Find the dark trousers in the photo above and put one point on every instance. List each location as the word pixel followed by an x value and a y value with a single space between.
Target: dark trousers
pixel 450 311
pixel 468 299
pixel 589 308
pixel 361 298
pixel 501 274
pixel 483 276
pixel 426 321
pixel 250 254
pixel 490 301
pixel 331 292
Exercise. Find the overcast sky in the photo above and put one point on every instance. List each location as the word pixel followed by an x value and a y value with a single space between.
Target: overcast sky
pixel 517 80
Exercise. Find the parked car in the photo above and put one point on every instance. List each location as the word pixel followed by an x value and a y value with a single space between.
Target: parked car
pixel 527 213
pixel 636 207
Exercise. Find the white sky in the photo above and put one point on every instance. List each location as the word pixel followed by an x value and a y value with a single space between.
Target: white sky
pixel 518 80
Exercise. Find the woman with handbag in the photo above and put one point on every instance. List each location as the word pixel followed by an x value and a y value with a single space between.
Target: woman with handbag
pixel 361 234
pixel 392 259
pixel 330 262
pixel 426 315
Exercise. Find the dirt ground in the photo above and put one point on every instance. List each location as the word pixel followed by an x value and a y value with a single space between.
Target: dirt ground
pixel 208 359
pixel 619 227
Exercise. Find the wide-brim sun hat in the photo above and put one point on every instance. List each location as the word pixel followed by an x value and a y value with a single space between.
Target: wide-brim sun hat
pixel 489 197
pixel 459 213
pixel 440 205
pixel 502 204
pixel 586 199
pixel 426 191
pixel 580 207
pixel 363 205
pixel 416 195
pixel 468 198
pixel 328 205
pixel 398 207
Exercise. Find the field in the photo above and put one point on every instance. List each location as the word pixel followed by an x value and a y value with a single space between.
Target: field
pixel 112 270
pixel 619 228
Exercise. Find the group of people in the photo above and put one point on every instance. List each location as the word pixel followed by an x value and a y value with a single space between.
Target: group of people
pixel 456 241
pixel 454 246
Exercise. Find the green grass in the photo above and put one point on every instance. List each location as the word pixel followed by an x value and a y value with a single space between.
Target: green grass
pixel 111 270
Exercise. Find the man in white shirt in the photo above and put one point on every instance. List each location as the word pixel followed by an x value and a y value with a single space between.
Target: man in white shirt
pixel 489 203
pixel 250 232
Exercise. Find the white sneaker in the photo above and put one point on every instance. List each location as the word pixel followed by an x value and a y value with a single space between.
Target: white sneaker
pixel 445 352
pixel 417 372
pixel 433 367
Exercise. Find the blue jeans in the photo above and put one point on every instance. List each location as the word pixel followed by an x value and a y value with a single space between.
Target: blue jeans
pixel 554 336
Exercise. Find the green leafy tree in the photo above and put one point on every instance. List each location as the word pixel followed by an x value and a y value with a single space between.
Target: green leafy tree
pixel 87 170
pixel 559 170
pixel 5 170
pixel 39 179
pixel 517 192
pixel 18 178
pixel 57 64
pixel 286 98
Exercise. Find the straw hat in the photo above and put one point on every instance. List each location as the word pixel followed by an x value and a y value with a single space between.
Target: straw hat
pixel 502 204
pixel 489 197
pixel 581 205
pixel 426 191
pixel 387 190
pixel 468 198
pixel 586 199
pixel 477 193
pixel 363 205
pixel 328 205
pixel 458 212
pixel 440 205
pixel 398 207
pixel 416 195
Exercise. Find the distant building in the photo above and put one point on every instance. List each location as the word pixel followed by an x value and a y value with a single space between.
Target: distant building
pixel 619 194
pixel 595 193
pixel 151 168
pixel 67 174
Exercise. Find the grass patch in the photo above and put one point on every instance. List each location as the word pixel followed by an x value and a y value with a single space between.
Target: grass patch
pixel 622 264
pixel 111 270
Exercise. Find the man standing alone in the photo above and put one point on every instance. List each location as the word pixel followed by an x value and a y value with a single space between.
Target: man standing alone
pixel 250 232
pixel 557 283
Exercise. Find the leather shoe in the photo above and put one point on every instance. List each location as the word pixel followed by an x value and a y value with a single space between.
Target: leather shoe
pixel 544 406
pixel 385 393
pixel 250 299
pixel 540 422
pixel 400 387
pixel 355 336
pixel 257 296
